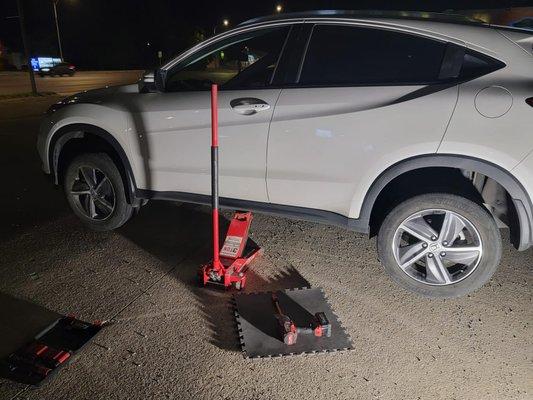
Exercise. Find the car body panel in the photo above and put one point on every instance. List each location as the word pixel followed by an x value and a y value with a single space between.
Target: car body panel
pixel 524 174
pixel 327 145
pixel 170 136
pixel 99 107
pixel 490 106
pixel 113 122
pixel 320 149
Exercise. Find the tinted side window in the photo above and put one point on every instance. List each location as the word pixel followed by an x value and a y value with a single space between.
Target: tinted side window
pixel 342 55
pixel 244 62
pixel 476 65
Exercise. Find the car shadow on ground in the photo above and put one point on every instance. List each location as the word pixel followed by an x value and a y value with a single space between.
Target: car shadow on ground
pixel 177 232
pixel 30 199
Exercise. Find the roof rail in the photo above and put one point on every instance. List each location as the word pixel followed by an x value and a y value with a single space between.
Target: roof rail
pixel 362 14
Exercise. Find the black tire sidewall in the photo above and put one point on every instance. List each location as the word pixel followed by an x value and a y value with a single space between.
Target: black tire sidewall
pixel 475 213
pixel 104 163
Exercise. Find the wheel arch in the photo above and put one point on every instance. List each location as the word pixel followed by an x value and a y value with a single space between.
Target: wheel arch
pixel 520 198
pixel 66 135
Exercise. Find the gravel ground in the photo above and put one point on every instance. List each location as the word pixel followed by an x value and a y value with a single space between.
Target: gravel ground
pixel 170 339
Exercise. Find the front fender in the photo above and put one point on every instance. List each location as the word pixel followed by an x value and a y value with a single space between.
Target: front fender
pixel 73 131
pixel 108 119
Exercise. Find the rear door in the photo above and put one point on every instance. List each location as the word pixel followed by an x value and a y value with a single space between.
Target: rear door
pixel 363 99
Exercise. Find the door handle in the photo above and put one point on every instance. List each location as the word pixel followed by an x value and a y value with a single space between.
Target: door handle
pixel 249 105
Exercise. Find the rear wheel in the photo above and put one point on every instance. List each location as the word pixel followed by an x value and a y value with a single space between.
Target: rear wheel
pixel 440 245
pixel 95 192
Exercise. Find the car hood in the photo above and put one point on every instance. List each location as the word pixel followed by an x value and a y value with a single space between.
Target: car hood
pixel 102 95
pixel 105 96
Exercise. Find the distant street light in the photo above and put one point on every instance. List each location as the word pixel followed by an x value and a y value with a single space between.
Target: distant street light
pixel 225 24
pixel 279 8
pixel 56 2
pixel 26 48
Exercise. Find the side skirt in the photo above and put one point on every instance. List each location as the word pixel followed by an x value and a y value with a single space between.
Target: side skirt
pixel 298 213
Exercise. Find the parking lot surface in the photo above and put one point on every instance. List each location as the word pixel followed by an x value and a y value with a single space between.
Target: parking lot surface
pixel 19 82
pixel 170 339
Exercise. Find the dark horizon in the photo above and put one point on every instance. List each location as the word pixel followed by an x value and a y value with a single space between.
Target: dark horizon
pixel 116 34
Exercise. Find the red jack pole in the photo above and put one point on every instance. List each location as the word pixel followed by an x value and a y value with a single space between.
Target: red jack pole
pixel 229 266
pixel 217 266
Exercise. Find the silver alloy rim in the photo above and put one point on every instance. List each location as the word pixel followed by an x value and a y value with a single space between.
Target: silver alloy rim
pixel 93 193
pixel 437 247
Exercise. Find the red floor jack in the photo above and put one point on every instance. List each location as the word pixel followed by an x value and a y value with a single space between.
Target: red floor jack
pixel 229 265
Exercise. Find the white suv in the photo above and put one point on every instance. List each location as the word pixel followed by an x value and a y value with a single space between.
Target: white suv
pixel 415 128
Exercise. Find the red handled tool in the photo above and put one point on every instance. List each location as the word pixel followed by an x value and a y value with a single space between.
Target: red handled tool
pixel 286 327
pixel 229 265
pixel 289 332
pixel 319 328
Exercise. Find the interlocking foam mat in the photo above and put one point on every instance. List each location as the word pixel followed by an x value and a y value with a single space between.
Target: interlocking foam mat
pixel 257 326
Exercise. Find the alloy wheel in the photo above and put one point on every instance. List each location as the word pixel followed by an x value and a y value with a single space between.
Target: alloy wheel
pixel 93 193
pixel 437 247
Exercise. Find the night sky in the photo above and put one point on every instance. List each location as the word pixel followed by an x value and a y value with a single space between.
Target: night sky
pixel 126 34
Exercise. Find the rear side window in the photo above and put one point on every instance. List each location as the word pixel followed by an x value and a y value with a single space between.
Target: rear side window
pixel 343 55
pixel 476 65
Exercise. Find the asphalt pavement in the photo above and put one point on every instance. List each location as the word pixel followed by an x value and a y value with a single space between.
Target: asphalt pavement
pixel 169 339
pixel 19 82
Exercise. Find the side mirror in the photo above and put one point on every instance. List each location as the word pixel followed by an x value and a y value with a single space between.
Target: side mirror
pixel 151 82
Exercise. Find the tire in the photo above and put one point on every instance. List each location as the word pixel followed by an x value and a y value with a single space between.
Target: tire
pixel 436 274
pixel 107 190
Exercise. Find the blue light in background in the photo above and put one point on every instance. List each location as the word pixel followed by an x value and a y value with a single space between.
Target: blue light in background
pixel 44 62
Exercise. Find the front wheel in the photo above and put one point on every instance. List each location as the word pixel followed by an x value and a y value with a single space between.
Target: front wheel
pixel 95 192
pixel 439 245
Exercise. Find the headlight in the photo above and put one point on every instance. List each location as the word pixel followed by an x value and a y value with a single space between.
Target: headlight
pixel 62 103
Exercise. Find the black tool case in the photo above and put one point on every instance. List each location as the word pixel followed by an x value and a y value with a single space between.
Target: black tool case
pixel 53 348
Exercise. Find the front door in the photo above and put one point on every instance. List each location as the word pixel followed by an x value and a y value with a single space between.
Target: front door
pixel 170 132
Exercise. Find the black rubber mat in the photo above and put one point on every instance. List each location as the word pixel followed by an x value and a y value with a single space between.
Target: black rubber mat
pixel 258 331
